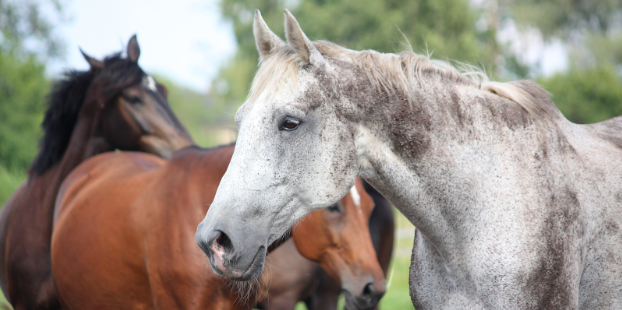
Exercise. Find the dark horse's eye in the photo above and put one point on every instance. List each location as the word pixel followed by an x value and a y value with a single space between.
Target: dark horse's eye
pixel 290 124
pixel 134 99
pixel 334 208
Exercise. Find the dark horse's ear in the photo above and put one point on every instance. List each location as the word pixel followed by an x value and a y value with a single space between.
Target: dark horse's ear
pixel 94 63
pixel 133 50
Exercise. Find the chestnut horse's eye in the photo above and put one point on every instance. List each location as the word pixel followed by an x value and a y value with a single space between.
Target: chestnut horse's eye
pixel 334 208
pixel 290 124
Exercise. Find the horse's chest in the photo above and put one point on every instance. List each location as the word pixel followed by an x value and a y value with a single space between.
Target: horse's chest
pixel 481 281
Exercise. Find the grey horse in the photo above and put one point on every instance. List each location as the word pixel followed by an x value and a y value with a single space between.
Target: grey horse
pixel 515 206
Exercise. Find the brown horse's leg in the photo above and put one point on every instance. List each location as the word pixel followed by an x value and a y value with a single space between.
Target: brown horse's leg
pixel 4 220
pixel 43 289
pixel 326 295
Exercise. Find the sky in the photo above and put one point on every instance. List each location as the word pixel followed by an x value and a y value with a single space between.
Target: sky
pixel 185 40
pixel 188 41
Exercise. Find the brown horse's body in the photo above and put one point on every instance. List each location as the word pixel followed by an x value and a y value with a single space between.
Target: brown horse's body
pixel 300 279
pixel 125 228
pixel 102 120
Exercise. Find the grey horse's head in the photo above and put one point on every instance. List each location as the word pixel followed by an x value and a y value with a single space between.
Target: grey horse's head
pixel 295 153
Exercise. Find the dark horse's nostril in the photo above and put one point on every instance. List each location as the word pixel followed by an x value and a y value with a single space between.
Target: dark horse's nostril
pixel 223 241
pixel 369 292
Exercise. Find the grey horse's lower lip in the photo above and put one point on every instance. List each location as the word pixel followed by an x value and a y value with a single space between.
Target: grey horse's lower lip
pixel 236 275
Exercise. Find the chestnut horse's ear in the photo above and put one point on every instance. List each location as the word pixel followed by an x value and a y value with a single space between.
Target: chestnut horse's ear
pixel 94 63
pixel 301 44
pixel 163 89
pixel 133 50
pixel 265 39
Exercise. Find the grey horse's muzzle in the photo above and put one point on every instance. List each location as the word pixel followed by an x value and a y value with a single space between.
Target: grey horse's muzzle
pixel 238 254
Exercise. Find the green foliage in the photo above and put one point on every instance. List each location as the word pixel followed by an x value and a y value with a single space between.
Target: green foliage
pixel 24 21
pixel 587 96
pixel 9 182
pixel 195 111
pixel 598 50
pixel 590 29
pixel 444 27
pixel 560 18
pixel 22 99
pixel 26 38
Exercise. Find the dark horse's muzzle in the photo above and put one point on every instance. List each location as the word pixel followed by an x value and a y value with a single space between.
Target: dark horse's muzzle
pixel 232 253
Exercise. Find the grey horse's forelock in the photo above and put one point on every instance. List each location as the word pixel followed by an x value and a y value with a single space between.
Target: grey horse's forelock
pixel 386 72
pixel 280 67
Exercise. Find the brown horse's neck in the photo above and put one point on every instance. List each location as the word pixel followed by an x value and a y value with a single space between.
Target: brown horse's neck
pixel 84 143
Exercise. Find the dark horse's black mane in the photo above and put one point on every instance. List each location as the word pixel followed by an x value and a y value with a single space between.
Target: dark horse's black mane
pixel 66 100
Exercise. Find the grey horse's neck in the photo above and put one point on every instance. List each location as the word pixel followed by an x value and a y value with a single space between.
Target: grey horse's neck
pixel 450 157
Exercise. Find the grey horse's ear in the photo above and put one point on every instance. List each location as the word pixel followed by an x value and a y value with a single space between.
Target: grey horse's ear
pixel 301 44
pixel 265 39
pixel 94 63
pixel 133 50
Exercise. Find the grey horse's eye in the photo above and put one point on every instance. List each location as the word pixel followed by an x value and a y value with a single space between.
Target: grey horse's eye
pixel 290 124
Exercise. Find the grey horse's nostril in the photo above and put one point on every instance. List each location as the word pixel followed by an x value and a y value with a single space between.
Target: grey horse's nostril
pixel 224 242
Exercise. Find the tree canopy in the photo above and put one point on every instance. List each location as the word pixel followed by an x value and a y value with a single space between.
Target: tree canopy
pixel 446 28
pixel 27 40
pixel 25 30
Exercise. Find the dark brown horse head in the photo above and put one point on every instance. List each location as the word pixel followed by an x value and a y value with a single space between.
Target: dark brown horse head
pixel 338 239
pixel 117 104
pixel 136 114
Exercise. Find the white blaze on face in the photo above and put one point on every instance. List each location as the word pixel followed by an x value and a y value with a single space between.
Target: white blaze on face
pixel 151 84
pixel 355 196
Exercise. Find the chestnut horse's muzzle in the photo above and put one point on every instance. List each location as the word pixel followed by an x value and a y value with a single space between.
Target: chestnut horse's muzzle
pixel 366 299
pixel 233 254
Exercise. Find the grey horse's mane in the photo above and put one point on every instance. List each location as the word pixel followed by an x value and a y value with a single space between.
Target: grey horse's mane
pixel 387 72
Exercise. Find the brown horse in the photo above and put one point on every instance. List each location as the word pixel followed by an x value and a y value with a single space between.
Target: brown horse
pixel 300 279
pixel 114 105
pixel 126 223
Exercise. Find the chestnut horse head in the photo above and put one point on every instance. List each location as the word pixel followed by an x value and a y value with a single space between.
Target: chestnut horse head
pixel 338 239
pixel 117 103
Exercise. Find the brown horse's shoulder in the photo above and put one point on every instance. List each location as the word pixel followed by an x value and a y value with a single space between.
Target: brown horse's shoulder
pixel 102 169
pixel 120 162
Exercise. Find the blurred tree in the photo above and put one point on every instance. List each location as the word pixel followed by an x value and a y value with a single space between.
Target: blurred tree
pixel 26 42
pixel 196 111
pixel 591 89
pixel 563 18
pixel 591 29
pixel 25 30
pixel 586 96
pixel 22 94
pixel 445 27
